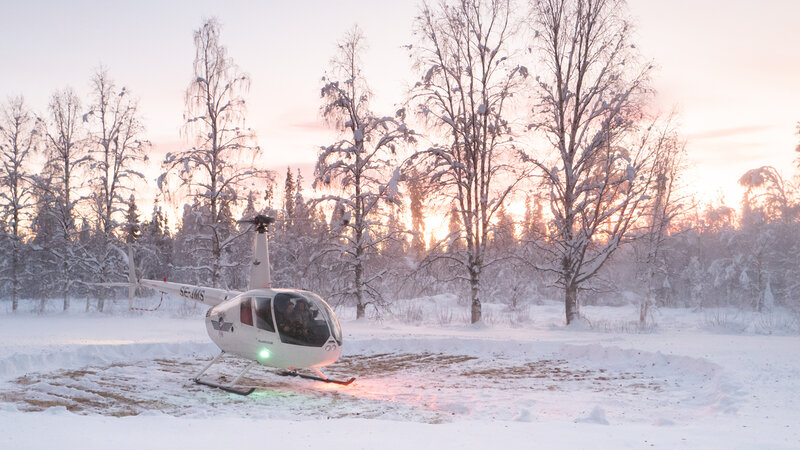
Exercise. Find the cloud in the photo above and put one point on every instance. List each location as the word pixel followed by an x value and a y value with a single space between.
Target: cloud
pixel 725 155
pixel 728 132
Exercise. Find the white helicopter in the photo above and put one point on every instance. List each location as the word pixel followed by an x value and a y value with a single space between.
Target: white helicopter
pixel 283 328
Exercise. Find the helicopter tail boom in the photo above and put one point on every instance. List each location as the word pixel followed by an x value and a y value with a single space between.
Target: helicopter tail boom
pixel 205 295
pixel 200 294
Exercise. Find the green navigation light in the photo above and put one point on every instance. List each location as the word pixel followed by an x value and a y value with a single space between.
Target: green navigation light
pixel 264 354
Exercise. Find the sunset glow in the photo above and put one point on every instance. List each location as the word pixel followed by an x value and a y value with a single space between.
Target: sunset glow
pixel 721 64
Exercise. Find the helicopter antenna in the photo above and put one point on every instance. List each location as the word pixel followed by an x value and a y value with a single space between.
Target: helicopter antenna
pixel 260 277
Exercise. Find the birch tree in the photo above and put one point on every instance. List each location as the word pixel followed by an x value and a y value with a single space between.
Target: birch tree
pixel 590 96
pixel 468 76
pixel 66 158
pixel 358 163
pixel 661 209
pixel 116 146
pixel 768 194
pixel 216 170
pixel 767 237
pixel 19 139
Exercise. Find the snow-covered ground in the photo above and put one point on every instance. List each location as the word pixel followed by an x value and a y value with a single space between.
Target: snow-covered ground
pixel 109 381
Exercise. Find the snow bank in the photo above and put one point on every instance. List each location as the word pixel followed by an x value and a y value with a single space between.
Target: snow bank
pixel 79 356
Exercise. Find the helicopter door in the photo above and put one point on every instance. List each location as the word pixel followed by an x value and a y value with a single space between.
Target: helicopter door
pixel 264 314
pixel 300 321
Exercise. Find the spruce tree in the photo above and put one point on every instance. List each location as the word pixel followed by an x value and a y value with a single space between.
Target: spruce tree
pixel 132 228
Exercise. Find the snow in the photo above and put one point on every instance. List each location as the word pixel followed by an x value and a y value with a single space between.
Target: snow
pixel 598 415
pixel 103 381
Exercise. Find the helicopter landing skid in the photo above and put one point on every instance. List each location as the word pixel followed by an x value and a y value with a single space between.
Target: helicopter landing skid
pixel 231 389
pixel 291 373
pixel 225 387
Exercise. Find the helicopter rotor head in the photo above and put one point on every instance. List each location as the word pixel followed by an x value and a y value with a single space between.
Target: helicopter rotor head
pixel 261 222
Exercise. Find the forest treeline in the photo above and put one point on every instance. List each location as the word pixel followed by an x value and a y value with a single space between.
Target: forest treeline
pixel 547 104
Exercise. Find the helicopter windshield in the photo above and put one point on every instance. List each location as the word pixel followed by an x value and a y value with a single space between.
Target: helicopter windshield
pixel 300 320
pixel 336 329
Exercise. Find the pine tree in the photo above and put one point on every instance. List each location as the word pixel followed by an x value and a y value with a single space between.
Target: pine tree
pixel 289 190
pixel 158 222
pixel 305 219
pixel 155 245
pixel 416 196
pixel 533 227
pixel 503 236
pixel 454 230
pixel 132 227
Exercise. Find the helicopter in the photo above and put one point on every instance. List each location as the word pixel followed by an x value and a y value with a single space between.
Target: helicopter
pixel 288 329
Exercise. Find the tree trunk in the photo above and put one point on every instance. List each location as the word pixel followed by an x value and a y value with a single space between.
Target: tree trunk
pixel 649 299
pixel 759 290
pixel 571 302
pixel 644 311
pixel 101 302
pixel 14 276
pixel 361 308
pixel 216 255
pixel 474 283
pixel 66 284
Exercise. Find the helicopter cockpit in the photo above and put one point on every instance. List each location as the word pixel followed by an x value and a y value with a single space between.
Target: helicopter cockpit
pixel 299 318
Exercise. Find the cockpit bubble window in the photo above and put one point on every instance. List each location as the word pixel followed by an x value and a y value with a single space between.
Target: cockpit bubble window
pixel 264 314
pixel 246 311
pixel 300 321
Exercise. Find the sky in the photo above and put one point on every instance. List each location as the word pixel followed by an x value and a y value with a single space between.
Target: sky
pixel 730 68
